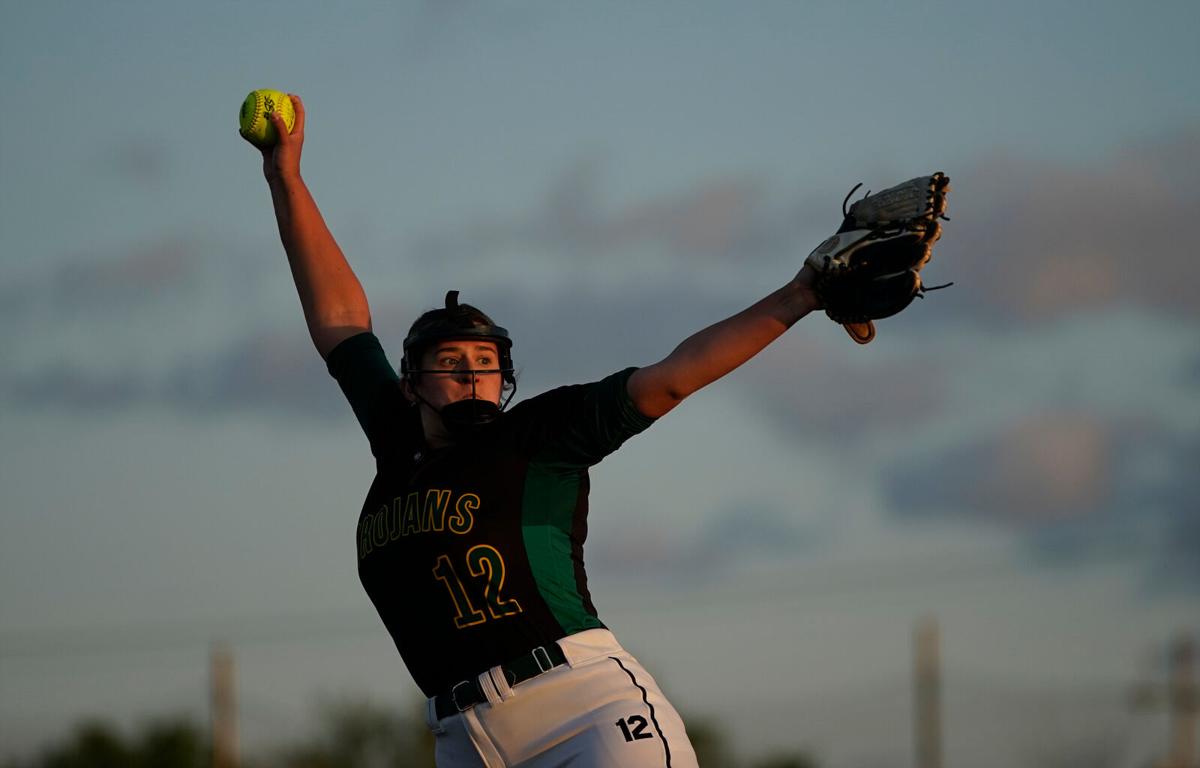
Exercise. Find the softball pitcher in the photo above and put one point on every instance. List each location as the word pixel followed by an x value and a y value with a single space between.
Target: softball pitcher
pixel 470 541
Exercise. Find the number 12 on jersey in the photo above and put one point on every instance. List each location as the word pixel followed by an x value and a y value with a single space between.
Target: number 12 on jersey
pixel 483 562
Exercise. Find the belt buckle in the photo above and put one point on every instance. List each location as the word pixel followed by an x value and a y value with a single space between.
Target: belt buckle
pixel 454 696
pixel 538 659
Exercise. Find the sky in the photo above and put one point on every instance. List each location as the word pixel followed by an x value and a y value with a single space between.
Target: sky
pixel 1008 456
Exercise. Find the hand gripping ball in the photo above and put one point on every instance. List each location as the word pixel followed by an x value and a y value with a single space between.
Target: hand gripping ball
pixel 253 122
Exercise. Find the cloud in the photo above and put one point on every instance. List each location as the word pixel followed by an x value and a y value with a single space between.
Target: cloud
pixel 711 220
pixel 1074 486
pixel 1192 374
pixel 1032 240
pixel 754 530
pixel 805 388
pixel 1052 466
pixel 85 284
pixel 748 534
pixel 69 387
pixel 268 373
pixel 1174 493
pixel 1081 230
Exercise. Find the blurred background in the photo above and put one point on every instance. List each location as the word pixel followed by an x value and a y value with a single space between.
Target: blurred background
pixel 974 542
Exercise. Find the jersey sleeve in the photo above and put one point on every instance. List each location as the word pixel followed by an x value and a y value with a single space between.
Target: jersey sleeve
pixel 581 424
pixel 369 382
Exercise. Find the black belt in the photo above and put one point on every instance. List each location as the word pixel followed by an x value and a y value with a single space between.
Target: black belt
pixel 466 694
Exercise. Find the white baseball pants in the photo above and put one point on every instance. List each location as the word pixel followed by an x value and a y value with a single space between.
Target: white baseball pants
pixel 599 710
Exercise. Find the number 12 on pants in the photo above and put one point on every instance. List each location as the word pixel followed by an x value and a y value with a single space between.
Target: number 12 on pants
pixel 633 728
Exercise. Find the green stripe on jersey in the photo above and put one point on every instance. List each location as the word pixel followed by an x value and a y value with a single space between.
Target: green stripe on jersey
pixel 547 512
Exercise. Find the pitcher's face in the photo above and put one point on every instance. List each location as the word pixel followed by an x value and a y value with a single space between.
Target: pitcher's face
pixel 458 369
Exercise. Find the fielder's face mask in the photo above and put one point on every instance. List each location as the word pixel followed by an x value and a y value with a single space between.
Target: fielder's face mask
pixel 459 322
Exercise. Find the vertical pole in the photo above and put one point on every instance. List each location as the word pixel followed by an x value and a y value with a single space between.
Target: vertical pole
pixel 224 709
pixel 927 695
pixel 1183 703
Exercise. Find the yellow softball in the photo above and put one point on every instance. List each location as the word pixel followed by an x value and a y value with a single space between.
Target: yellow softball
pixel 254 124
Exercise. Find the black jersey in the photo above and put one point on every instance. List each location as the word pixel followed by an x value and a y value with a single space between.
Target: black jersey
pixel 473 554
